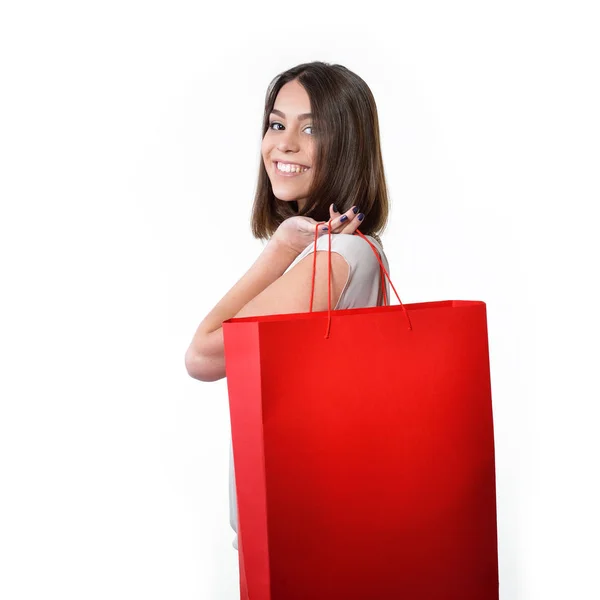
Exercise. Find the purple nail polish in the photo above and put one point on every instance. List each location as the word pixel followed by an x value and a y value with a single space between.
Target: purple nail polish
pixel 360 217
pixel 344 219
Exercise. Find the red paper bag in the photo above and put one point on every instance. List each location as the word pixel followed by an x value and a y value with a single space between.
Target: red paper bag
pixel 364 453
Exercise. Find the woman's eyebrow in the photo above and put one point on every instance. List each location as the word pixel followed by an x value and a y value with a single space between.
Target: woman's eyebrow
pixel 300 117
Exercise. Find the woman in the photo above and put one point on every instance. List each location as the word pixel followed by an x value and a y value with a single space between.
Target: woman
pixel 321 161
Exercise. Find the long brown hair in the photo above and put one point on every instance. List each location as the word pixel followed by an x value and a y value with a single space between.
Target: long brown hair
pixel 348 169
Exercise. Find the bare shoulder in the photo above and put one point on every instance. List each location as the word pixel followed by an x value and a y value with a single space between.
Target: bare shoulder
pixel 354 248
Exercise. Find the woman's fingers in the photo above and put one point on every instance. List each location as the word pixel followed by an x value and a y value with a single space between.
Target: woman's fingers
pixel 333 211
pixel 341 224
pixel 333 215
pixel 353 225
pixel 347 222
pixel 341 220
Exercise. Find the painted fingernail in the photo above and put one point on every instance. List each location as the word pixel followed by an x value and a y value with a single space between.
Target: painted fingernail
pixel 360 217
pixel 335 208
pixel 325 229
pixel 355 209
pixel 344 219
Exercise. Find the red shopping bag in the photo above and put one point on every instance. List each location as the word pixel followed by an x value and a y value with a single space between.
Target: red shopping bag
pixel 364 453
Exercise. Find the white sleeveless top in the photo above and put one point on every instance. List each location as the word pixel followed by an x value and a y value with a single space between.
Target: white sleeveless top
pixel 362 289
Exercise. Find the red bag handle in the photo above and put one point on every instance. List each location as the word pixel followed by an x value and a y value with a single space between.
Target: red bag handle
pixel 382 270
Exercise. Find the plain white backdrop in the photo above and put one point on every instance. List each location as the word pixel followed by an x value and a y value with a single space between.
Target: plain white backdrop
pixel 129 153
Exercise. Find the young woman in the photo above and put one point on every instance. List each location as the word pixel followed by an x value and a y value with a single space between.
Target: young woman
pixel 321 167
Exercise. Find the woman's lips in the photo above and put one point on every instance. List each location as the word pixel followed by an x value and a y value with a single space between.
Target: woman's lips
pixel 291 174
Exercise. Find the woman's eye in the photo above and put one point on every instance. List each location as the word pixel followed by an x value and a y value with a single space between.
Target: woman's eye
pixel 277 123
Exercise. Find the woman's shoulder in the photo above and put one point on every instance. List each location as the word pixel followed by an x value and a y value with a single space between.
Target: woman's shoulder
pixel 353 247
pixel 356 250
pixel 363 284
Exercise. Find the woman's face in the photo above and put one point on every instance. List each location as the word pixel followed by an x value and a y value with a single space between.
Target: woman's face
pixel 289 140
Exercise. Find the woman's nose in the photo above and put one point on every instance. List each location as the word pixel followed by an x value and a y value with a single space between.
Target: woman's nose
pixel 287 141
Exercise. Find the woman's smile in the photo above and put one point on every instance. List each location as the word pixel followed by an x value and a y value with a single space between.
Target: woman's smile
pixel 294 169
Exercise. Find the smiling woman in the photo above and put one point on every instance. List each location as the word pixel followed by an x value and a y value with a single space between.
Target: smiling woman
pixel 321 170
pixel 324 118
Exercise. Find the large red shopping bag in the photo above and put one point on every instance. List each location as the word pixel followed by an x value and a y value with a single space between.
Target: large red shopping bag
pixel 363 448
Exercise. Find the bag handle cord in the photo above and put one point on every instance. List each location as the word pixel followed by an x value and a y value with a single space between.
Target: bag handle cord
pixel 382 270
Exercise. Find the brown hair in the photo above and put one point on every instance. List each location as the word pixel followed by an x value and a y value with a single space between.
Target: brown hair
pixel 348 169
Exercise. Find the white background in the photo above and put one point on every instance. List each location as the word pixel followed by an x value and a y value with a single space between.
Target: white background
pixel 129 152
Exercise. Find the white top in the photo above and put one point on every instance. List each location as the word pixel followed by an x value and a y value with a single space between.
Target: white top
pixel 362 289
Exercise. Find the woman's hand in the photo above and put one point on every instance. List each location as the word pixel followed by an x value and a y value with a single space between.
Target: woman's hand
pixel 298 232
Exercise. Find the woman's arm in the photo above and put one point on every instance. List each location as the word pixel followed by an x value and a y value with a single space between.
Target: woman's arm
pixel 263 290
pixel 204 358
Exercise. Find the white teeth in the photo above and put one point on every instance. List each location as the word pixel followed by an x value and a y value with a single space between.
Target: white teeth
pixel 291 168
